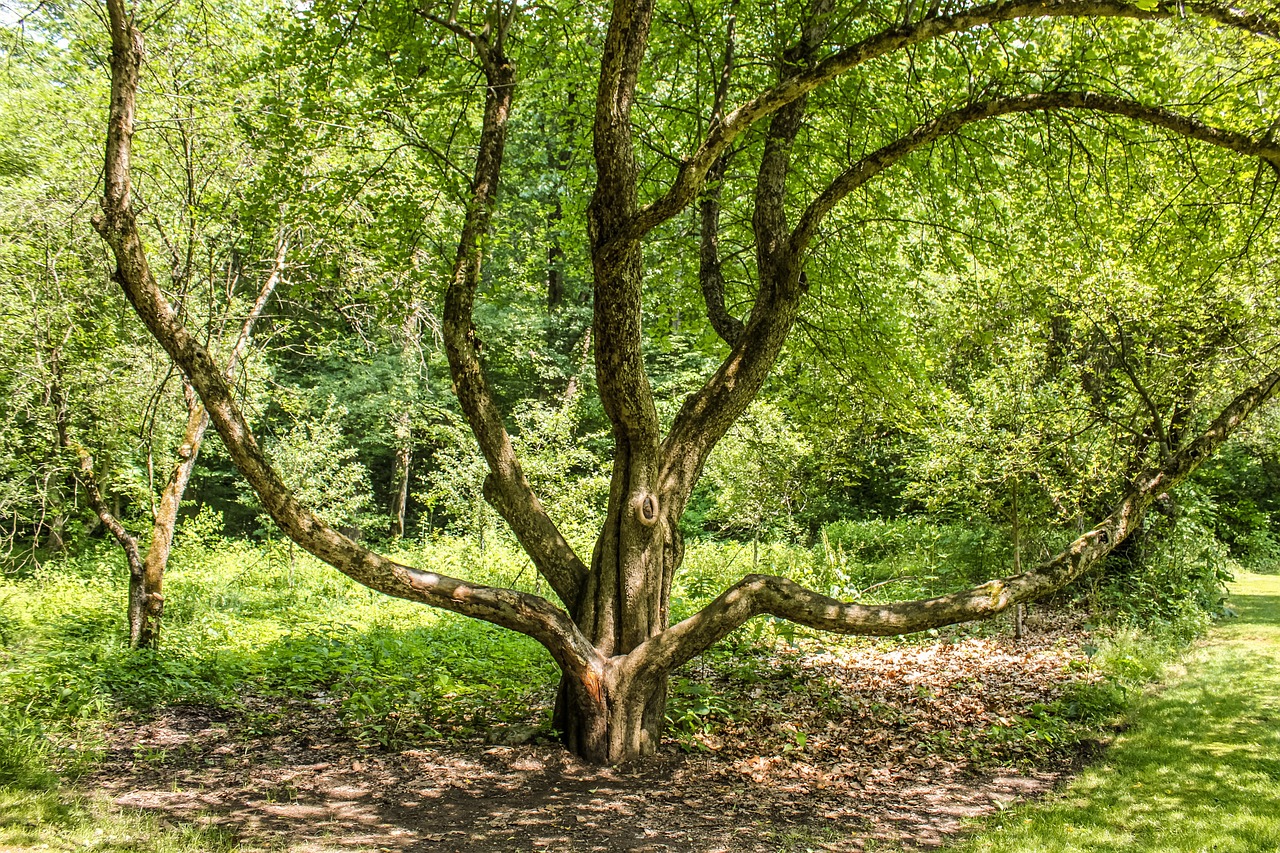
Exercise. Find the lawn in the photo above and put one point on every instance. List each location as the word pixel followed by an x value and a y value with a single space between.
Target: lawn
pixel 1197 767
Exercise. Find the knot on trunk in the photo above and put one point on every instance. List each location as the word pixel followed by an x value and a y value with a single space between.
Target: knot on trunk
pixel 646 507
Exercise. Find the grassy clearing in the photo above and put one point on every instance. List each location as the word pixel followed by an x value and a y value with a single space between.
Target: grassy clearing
pixel 1198 768
pixel 65 821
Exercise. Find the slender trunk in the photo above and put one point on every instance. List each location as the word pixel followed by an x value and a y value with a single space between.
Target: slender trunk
pixel 412 338
pixel 56 542
pixel 555 257
pixel 400 475
pixel 1020 611
pixel 146 596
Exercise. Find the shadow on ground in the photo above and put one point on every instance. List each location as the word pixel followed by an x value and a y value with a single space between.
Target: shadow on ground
pixel 892 756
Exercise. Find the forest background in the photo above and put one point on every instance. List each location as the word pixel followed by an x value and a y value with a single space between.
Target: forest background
pixel 998 336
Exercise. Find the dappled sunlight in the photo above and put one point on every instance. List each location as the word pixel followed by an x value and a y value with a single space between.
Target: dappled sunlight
pixel 1197 770
pixel 857 744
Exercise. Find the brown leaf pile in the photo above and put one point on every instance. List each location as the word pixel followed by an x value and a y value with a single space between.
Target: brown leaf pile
pixel 806 748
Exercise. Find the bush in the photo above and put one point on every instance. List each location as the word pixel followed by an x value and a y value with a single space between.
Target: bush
pixel 909 557
pixel 1170 580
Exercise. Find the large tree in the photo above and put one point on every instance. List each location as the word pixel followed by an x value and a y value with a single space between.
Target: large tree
pixel 788 120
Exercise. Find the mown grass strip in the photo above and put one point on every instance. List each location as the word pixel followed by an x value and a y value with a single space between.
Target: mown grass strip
pixel 1198 767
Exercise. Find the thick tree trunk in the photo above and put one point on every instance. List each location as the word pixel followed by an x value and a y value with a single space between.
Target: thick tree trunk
pixel 623 605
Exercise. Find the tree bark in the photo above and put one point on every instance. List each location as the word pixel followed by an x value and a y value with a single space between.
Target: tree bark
pixel 146 591
pixel 412 335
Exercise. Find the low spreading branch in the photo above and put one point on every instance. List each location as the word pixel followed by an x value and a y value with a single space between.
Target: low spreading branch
pixel 757 595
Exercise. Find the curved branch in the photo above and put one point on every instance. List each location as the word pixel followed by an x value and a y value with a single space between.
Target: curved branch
pixel 876 162
pixel 710 271
pixel 117 224
pixel 707 415
pixel 507 488
pixel 709 412
pixel 693 173
pixel 756 595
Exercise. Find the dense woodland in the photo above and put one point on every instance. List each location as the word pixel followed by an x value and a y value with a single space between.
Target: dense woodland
pixel 843 308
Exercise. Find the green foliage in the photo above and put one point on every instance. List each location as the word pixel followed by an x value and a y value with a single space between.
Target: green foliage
pixel 249 619
pixel 453 488
pixel 908 557
pixel 563 469
pixel 24 752
pixel 1243 483
pixel 693 709
pixel 754 476
pixel 320 466
pixel 1171 579
pixel 67 820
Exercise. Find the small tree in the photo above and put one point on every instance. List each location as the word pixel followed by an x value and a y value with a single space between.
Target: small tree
pixel 755 476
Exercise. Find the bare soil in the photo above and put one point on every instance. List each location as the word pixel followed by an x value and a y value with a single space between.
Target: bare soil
pixel 865 746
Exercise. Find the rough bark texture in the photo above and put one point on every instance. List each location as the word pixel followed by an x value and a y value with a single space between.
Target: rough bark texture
pixel 612 639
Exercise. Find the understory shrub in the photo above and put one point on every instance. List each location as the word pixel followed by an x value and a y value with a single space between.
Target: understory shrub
pixel 24 752
pixel 1171 580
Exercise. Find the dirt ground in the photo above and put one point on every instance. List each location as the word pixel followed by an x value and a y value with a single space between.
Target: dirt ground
pixel 870 746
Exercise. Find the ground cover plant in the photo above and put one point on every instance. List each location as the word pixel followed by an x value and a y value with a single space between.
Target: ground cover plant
pixel 656 339
pixel 606 621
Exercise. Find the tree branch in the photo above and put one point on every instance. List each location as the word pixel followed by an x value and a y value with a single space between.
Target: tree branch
pixel 756 595
pixel 871 165
pixel 693 173
pixel 165 513
pixel 710 411
pixel 623 384
pixel 85 473
pixel 710 272
pixel 707 415
pixel 506 488
pixel 117 224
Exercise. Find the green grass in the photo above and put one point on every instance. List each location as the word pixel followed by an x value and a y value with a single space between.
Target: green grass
pixel 1197 769
pixel 66 820
pixel 260 620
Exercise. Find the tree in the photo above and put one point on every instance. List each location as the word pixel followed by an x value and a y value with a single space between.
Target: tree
pixel 611 636
pixel 146 568
pixel 109 396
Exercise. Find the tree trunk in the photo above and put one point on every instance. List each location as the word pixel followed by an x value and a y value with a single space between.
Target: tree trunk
pixel 623 718
pixel 400 477
pixel 1019 613
pixel 146 598
pixel 623 604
